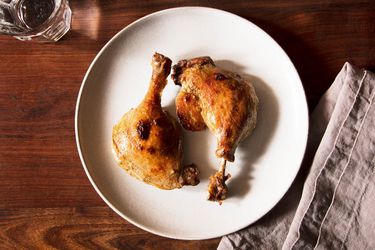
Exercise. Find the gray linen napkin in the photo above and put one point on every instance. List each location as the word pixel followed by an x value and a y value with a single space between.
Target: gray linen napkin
pixel 336 209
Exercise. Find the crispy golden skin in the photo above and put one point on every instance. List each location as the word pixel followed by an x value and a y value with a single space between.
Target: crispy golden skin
pixel 189 111
pixel 220 99
pixel 147 141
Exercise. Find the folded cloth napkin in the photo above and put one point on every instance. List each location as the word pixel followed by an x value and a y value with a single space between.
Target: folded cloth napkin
pixel 336 209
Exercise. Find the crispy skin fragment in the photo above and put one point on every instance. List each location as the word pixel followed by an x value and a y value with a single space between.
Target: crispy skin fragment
pixel 217 189
pixel 189 112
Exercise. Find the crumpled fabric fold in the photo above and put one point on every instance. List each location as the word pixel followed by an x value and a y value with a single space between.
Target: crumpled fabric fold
pixel 333 207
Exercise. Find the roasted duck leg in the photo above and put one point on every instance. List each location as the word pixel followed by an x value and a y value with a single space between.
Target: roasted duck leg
pixel 221 100
pixel 147 141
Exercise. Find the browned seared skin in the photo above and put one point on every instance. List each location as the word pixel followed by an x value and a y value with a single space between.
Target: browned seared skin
pixel 147 141
pixel 218 190
pixel 189 112
pixel 190 175
pixel 220 99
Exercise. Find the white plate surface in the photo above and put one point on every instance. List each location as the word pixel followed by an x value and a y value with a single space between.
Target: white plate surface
pixel 266 163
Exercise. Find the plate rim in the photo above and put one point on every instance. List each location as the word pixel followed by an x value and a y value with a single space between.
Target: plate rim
pixel 304 120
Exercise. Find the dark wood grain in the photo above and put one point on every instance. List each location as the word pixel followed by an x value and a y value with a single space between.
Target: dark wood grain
pixel 45 198
pixel 80 228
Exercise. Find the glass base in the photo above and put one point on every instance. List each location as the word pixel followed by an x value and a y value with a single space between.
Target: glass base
pixel 54 30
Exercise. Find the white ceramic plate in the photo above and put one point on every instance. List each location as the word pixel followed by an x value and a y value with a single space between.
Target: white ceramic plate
pixel 266 163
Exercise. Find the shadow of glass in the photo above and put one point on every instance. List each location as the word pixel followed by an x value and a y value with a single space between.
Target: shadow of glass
pixel 255 145
pixel 86 25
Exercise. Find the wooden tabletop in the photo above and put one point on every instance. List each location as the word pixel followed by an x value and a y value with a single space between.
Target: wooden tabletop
pixel 46 200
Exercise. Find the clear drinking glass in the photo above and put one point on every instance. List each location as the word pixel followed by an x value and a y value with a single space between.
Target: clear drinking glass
pixel 40 20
